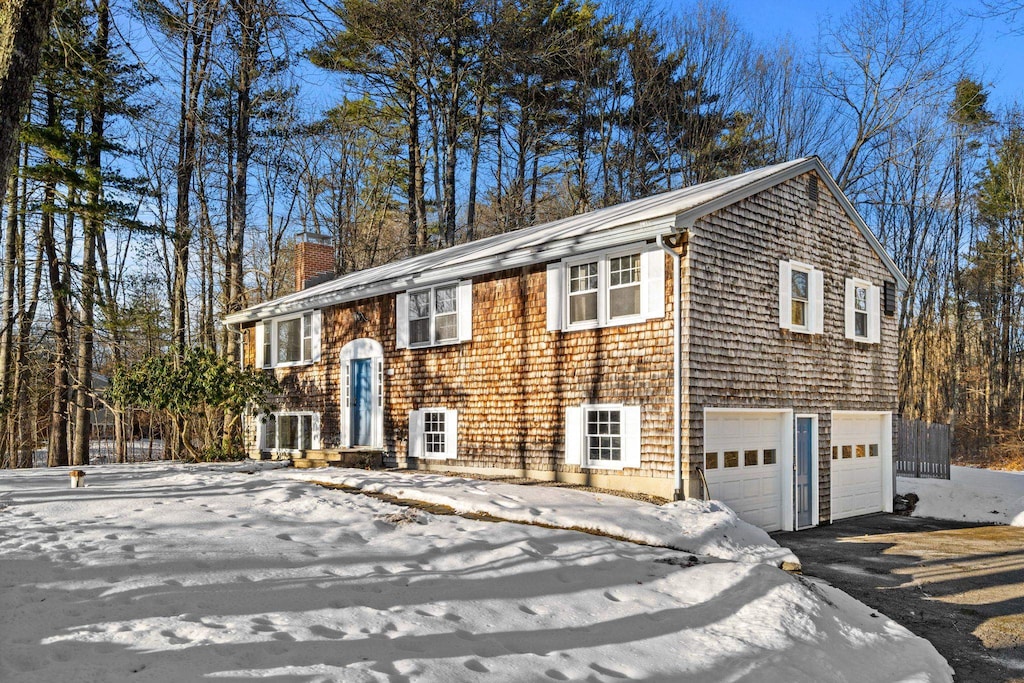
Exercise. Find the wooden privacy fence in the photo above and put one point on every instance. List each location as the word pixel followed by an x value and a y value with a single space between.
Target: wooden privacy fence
pixel 923 449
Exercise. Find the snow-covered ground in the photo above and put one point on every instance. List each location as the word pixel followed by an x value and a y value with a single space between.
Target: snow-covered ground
pixel 971 494
pixel 162 572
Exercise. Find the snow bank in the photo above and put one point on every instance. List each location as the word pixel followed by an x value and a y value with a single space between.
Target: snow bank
pixel 693 526
pixel 971 495
pixel 165 573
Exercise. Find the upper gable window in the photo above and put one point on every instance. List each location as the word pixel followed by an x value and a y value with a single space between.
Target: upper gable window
pixel 434 316
pixel 610 288
pixel 289 340
pixel 863 311
pixel 801 298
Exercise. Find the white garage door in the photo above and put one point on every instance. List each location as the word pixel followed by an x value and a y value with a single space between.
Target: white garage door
pixel 741 462
pixel 857 455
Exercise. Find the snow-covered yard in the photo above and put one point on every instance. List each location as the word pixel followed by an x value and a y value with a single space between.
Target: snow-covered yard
pixel 971 495
pixel 182 573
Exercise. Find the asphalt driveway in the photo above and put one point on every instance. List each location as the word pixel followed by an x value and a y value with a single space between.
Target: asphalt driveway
pixel 959 585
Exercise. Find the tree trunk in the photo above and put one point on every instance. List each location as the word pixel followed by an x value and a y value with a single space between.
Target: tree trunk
pixel 23 28
pixel 94 230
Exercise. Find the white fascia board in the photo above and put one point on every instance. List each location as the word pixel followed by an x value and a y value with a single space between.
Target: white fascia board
pixel 686 219
pixel 559 249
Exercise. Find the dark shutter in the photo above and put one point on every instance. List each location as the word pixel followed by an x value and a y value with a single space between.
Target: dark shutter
pixel 889 297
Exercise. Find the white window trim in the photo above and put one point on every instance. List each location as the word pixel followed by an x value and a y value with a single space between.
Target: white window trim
pixel 815 315
pixel 651 283
pixel 874 312
pixel 314 440
pixel 270 325
pixel 576 445
pixel 463 315
pixel 358 349
pixel 417 441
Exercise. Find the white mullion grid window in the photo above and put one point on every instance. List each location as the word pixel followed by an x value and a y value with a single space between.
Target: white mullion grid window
pixel 603 431
pixel 434 442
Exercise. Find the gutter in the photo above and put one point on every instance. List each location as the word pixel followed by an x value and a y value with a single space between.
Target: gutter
pixel 669 246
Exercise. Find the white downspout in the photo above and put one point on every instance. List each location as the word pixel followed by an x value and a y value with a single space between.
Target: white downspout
pixel 677 370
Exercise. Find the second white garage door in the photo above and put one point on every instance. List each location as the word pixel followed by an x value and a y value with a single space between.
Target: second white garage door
pixel 861 444
pixel 742 452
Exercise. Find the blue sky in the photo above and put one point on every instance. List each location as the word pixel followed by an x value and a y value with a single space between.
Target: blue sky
pixel 999 61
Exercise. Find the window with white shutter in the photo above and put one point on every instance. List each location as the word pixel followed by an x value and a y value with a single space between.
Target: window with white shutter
pixel 289 340
pixel 616 287
pixel 433 433
pixel 603 436
pixel 863 321
pixel 801 298
pixel 434 316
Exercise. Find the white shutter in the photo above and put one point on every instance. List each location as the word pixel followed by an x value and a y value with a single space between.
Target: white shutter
pixel 315 431
pixel 850 309
pixel 573 435
pixel 451 433
pixel 315 325
pixel 785 295
pixel 402 320
pixel 817 312
pixel 555 296
pixel 346 404
pixel 260 341
pixel 465 310
pixel 415 434
pixel 630 436
pixel 653 293
pixel 261 431
pixel 874 315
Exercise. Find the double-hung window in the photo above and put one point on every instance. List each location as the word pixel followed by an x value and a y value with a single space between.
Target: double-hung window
pixel 434 316
pixel 863 311
pixel 291 340
pixel 286 431
pixel 801 298
pixel 612 288
pixel 604 436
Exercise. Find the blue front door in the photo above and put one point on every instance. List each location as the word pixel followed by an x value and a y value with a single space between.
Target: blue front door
pixel 804 476
pixel 362 402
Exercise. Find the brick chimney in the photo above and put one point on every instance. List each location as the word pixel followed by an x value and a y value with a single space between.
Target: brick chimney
pixel 314 259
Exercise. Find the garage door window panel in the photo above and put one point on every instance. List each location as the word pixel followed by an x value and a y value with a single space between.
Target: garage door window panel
pixel 770 456
pixel 711 461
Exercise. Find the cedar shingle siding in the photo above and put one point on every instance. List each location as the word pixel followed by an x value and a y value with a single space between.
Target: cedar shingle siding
pixel 512 383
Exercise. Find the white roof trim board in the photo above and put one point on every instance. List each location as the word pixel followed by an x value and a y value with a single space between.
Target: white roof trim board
pixel 642 219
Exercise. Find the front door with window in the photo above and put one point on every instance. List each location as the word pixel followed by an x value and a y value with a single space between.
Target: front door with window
pixel 804 478
pixel 362 402
pixel 362 394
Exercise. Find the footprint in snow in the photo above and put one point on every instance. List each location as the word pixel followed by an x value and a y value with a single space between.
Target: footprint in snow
pixel 556 675
pixel 608 672
pixel 475 665
pixel 608 596
pixel 284 537
pixel 526 610
pixel 326 632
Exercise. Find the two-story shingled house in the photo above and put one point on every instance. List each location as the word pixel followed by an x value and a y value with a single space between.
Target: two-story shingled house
pixel 743 327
